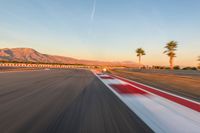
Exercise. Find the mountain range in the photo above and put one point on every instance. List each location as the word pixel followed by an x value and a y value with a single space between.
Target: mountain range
pixel 31 55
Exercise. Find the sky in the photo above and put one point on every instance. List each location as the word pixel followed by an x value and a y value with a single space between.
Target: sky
pixel 107 30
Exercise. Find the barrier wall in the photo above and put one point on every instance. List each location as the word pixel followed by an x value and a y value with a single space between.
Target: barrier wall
pixel 42 65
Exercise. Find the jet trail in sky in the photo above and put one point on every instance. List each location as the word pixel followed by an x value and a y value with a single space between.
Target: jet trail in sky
pixel 93 11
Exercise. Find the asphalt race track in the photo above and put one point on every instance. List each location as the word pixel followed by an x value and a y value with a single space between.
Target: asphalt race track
pixel 62 101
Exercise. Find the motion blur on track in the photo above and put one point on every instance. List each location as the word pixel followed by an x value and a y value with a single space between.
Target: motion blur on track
pixel 58 101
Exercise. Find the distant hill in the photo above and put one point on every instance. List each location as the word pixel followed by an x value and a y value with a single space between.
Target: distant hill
pixel 31 55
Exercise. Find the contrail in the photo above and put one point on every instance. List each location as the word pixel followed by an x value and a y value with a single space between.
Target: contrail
pixel 93 11
pixel 91 20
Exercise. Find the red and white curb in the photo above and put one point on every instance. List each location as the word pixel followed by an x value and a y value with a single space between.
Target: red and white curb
pixel 163 112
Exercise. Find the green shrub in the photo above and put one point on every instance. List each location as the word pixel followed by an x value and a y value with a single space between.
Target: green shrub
pixel 176 67
pixel 189 68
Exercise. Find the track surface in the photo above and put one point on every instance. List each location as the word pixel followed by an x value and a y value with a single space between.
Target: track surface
pixel 58 101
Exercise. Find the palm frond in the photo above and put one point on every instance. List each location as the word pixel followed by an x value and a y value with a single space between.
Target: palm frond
pixel 140 52
pixel 171 47
pixel 165 51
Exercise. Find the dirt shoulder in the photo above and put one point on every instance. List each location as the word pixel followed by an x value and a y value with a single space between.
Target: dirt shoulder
pixel 187 86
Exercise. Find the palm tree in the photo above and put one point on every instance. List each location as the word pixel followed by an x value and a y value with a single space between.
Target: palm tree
pixel 171 48
pixel 199 62
pixel 140 52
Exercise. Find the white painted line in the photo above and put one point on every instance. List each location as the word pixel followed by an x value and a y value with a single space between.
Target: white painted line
pixel 113 81
pixel 161 118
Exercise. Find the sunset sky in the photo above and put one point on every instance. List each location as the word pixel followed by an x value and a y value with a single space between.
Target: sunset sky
pixel 108 30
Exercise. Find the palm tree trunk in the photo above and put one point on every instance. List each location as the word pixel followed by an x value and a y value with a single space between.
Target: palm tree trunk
pixel 171 63
pixel 139 62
